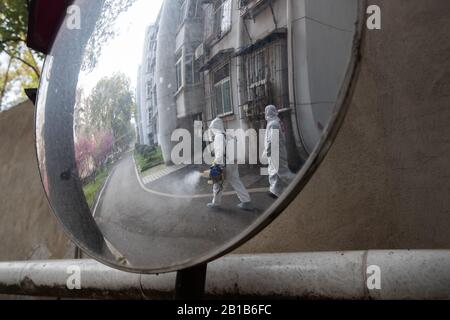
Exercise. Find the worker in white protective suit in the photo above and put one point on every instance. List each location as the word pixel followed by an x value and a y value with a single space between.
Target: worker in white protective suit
pixel 275 152
pixel 231 170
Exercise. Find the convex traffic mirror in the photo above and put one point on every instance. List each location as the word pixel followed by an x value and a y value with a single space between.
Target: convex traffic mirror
pixel 170 132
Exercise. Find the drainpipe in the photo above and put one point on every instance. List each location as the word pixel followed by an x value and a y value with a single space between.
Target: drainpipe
pixel 422 274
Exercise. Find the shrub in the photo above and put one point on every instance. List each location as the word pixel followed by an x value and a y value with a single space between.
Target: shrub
pixel 148 157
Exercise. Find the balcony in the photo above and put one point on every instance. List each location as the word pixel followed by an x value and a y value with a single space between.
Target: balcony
pixel 251 8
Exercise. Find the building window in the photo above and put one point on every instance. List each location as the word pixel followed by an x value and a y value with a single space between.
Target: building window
pixel 149 90
pixel 155 98
pixel 222 17
pixel 267 78
pixel 152 44
pixel 189 9
pixel 208 30
pixel 257 68
pixel 149 65
pixel 192 67
pixel 179 71
pixel 222 91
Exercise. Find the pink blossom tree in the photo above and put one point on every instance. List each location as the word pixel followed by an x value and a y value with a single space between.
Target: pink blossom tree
pixel 103 148
pixel 83 154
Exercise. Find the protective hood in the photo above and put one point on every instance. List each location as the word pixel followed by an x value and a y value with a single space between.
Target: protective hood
pixel 217 126
pixel 271 113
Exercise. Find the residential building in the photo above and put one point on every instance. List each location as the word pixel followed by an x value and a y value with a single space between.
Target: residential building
pixel 146 95
pixel 189 95
pixel 231 58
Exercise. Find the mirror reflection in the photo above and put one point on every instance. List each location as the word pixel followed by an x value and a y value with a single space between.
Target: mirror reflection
pixel 183 121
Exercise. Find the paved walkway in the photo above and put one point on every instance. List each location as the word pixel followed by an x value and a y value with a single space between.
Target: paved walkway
pixel 161 174
pixel 166 225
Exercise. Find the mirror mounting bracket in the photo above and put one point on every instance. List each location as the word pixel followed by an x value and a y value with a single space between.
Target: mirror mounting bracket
pixel 44 19
pixel 31 94
pixel 190 283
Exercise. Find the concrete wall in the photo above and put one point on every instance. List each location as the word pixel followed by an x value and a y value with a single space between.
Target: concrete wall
pixel 386 181
pixel 28 230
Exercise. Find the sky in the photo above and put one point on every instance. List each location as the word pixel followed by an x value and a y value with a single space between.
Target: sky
pixel 124 52
pixel 11 97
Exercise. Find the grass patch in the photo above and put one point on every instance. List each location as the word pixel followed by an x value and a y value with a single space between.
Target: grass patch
pixel 147 157
pixel 92 189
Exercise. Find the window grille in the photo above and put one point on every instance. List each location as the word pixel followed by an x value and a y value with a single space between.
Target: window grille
pixel 266 80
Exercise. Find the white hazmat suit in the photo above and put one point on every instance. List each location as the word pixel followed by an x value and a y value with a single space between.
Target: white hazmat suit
pixel 231 170
pixel 275 151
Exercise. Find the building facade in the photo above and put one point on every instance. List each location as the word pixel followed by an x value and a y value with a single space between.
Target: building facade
pixel 232 58
pixel 146 101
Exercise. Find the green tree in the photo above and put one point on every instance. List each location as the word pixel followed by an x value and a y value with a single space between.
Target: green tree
pixel 109 109
pixel 23 66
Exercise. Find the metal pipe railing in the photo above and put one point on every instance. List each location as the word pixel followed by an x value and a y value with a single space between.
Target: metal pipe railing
pixel 421 274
